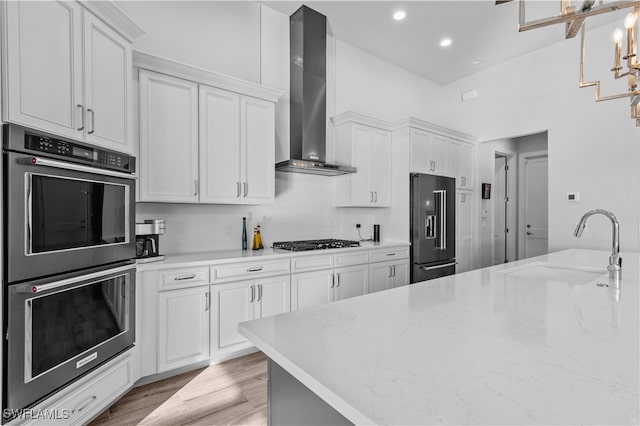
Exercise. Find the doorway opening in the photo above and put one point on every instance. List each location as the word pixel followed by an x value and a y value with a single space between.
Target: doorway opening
pixel 517 169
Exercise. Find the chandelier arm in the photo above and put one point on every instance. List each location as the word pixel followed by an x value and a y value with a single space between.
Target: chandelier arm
pixel 570 17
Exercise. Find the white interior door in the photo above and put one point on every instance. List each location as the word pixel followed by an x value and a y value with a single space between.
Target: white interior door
pixel 499 213
pixel 534 229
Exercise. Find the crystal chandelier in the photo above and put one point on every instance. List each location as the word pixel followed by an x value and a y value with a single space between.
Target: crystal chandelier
pixel 625 63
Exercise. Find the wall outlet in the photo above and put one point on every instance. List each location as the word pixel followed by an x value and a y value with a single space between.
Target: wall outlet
pixel 358 225
pixel 228 230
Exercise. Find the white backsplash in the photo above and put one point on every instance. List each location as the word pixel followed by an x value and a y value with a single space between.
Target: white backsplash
pixel 303 209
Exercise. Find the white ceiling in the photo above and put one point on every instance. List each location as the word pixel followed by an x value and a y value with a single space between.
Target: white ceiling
pixel 478 28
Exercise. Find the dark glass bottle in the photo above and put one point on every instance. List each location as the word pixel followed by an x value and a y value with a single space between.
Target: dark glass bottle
pixel 244 233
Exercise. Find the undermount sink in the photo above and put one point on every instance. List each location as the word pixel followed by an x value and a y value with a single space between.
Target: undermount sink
pixel 568 274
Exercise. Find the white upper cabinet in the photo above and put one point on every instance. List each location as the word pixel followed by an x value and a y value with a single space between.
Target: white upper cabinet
pixel 231 130
pixel 70 74
pixel 437 150
pixel 257 150
pixel 107 65
pixel 168 162
pixel 220 145
pixel 364 143
pixel 429 153
pixel 461 164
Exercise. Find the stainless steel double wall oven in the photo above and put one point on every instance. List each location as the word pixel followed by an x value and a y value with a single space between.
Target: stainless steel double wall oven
pixel 68 276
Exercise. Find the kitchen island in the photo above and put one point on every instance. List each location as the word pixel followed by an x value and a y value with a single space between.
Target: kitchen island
pixel 538 341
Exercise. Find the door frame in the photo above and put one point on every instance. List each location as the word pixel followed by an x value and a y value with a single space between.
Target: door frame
pixel 521 188
pixel 512 214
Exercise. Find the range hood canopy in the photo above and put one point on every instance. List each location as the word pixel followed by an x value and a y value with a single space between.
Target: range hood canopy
pixel 308 85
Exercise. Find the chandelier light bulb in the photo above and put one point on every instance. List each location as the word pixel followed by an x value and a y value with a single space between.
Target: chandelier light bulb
pixel 445 42
pixel 617 35
pixel 630 20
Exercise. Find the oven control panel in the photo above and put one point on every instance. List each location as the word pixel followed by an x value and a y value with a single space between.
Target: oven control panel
pixel 71 150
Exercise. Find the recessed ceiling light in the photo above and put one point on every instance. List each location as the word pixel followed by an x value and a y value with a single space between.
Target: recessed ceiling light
pixel 477 61
pixel 399 15
pixel 445 42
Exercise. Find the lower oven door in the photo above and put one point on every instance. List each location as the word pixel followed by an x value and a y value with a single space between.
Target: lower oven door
pixel 59 330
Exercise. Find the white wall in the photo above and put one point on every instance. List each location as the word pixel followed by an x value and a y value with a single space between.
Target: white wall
pixel 220 36
pixel 594 148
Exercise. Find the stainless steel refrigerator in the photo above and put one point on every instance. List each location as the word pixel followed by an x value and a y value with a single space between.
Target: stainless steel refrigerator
pixel 432 226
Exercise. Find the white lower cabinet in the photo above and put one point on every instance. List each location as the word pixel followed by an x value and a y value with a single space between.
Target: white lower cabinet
pixel 390 274
pixel 241 301
pixel 183 327
pixel 328 285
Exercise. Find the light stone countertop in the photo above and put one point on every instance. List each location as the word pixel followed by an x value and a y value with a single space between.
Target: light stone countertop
pixel 490 346
pixel 179 260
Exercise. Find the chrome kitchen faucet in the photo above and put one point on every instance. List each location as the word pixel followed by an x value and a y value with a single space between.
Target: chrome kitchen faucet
pixel 615 262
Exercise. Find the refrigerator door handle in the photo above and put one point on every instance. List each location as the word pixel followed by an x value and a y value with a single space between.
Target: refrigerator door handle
pixel 441 241
pixel 431 268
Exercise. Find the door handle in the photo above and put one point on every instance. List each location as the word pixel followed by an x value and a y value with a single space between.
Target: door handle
pixel 390 273
pixel 376 194
pixel 93 121
pixel 253 294
pixel 245 188
pixel 81 116
pixel 207 302
pixel 441 235
pixel 529 233
pixel 237 189
pixel 333 281
pixel 393 267
pixel 259 293
pixel 195 187
pixel 338 274
pixel 431 268
pixel 371 193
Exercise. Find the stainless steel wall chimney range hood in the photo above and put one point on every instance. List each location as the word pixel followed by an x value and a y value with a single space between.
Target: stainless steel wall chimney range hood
pixel 308 120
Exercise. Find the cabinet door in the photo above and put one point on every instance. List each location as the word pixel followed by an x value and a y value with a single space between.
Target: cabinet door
pixel 465 172
pixel 420 161
pixel 168 138
pixel 439 154
pixel 400 273
pixel 453 168
pixel 107 67
pixel 44 66
pixel 234 303
pixel 381 276
pixel 257 136
pixel 183 327
pixel 351 281
pixel 311 288
pixel 464 230
pixel 381 168
pixel 274 296
pixel 219 146
pixel 361 190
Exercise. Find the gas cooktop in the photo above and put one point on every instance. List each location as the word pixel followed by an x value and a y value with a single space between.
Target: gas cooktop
pixel 314 244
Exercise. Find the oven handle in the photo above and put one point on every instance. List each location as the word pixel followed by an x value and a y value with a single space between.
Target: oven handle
pixel 30 217
pixel 36 289
pixel 39 161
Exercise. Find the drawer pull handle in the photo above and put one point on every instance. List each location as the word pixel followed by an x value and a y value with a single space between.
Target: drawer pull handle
pixel 186 277
pixel 255 269
pixel 391 254
pixel 86 404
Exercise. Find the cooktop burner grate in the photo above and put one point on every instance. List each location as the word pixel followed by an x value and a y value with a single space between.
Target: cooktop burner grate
pixel 305 245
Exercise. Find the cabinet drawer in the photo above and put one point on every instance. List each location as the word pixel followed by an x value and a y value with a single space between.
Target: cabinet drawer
pixel 184 277
pixel 89 399
pixel 391 253
pixel 311 263
pixel 249 270
pixel 359 257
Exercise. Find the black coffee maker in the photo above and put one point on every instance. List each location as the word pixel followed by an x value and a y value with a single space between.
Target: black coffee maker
pixel 147 240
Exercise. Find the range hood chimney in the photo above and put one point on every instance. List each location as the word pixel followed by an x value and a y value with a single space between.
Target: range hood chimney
pixel 308 84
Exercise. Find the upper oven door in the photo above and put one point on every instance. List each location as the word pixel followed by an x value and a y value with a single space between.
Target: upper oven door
pixel 63 217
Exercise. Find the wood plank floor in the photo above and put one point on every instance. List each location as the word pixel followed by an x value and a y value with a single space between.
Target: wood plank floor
pixel 230 393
